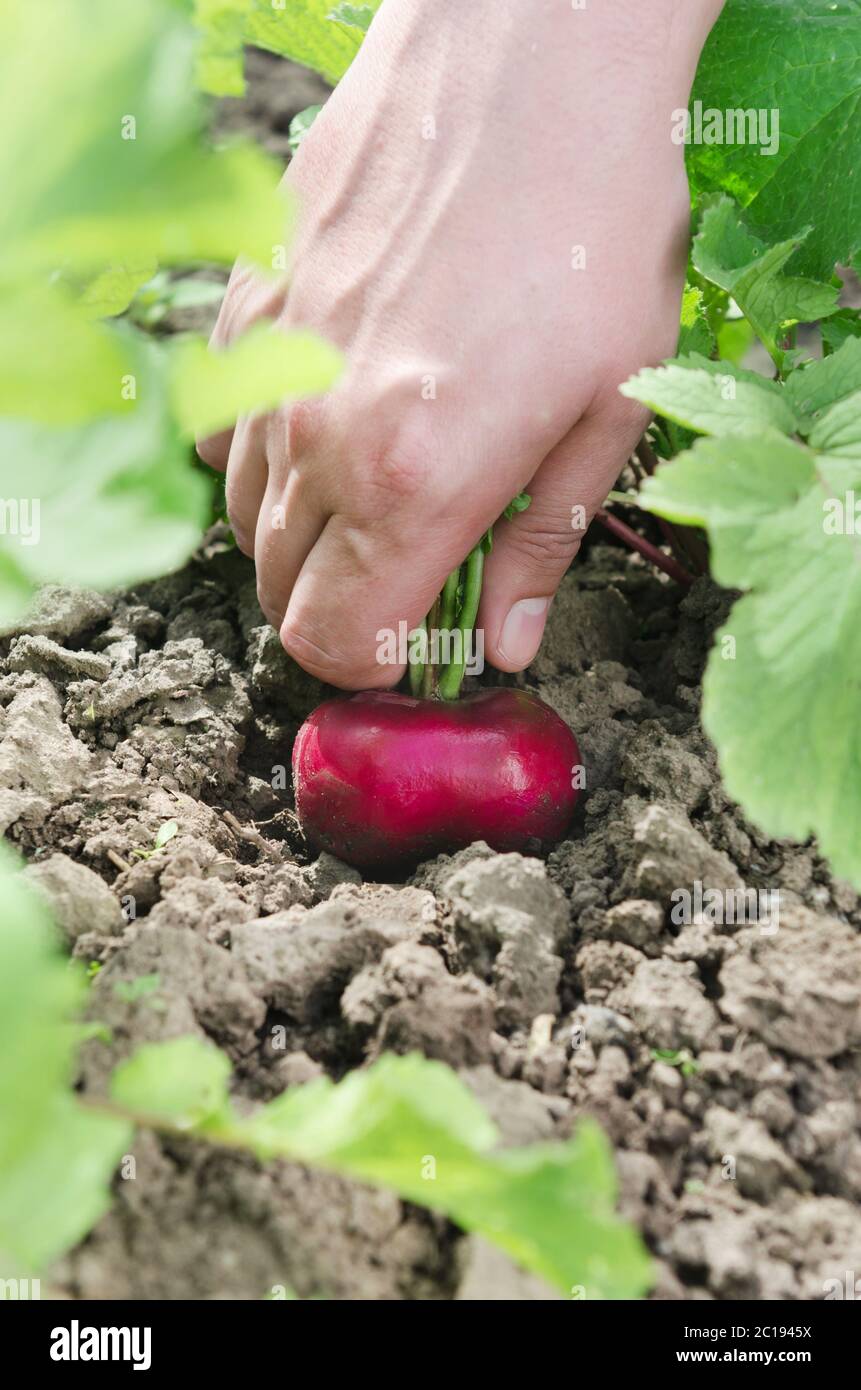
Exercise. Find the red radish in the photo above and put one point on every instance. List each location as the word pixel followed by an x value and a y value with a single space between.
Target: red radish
pixel 384 781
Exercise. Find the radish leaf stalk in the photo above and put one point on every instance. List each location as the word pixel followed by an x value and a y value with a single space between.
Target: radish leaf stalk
pixel 451 621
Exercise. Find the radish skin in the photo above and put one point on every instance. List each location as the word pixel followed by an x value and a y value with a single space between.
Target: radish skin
pixel 384 780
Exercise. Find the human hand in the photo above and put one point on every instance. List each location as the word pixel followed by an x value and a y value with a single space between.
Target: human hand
pixel 494 224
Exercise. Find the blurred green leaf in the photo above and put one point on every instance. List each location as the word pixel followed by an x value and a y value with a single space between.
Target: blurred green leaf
pixel 410 1124
pixel 110 292
pixel 57 365
pixel 55 1157
pixel 262 368
pixel 302 31
pixel 163 293
pixel 140 988
pixel 106 153
pixel 112 501
pixel 219 68
pixel 183 1082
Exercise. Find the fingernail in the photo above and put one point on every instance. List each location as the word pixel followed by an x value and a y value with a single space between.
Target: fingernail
pixel 522 631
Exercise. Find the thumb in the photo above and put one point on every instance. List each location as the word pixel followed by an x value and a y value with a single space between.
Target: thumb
pixel 532 552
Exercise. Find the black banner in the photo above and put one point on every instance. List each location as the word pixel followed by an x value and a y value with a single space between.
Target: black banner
pixel 70 1339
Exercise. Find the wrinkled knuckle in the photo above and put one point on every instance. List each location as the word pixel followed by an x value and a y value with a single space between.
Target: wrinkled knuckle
pixel 400 471
pixel 305 426
pixel 548 544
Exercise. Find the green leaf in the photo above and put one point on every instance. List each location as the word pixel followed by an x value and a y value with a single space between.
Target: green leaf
pixel 107 154
pixel 58 366
pixel 164 293
pixel 803 59
pixel 111 291
pixel 141 988
pixel 695 334
pixel 55 1157
pixel 734 487
pixel 357 16
pixel 110 502
pixel 735 339
pixel 520 503
pixel 846 323
pixel 182 1082
pixel 411 1125
pixel 781 692
pixel 166 833
pixel 814 388
pixel 219 68
pixel 257 372
pixel 838 431
pixel 309 32
pixel 54 1198
pixel 342 1124
pixel 302 31
pixel 712 397
pixel 728 254
pixel 549 1206
pixel 300 125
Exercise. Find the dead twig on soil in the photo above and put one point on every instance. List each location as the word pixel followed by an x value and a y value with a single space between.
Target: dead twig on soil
pixel 250 835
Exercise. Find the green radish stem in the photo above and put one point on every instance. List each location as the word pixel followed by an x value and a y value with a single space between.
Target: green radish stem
pixel 429 674
pixel 448 609
pixel 451 678
pixel 455 609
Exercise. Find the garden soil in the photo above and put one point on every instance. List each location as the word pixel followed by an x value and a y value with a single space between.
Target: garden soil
pixel 722 1059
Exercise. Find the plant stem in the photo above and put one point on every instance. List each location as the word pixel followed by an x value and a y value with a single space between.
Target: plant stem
pixel 452 677
pixel 429 675
pixel 646 456
pixel 448 608
pixel 645 548
pixel 684 541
